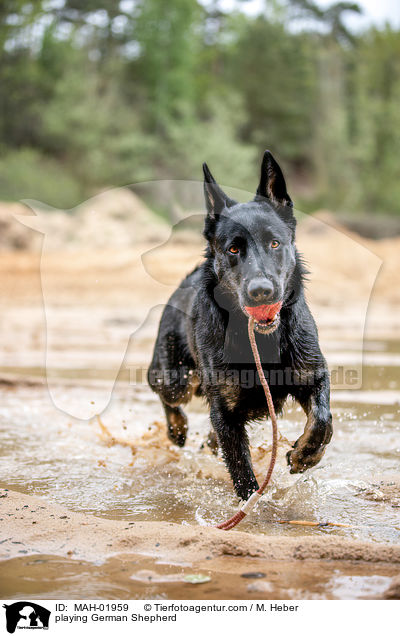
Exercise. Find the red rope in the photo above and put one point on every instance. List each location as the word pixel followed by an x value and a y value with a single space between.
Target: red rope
pixel 237 518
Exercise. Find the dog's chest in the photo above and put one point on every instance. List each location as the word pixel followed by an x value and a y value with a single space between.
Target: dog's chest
pixel 242 392
pixel 237 349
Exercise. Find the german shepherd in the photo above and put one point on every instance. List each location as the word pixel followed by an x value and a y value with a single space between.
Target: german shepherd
pixel 251 268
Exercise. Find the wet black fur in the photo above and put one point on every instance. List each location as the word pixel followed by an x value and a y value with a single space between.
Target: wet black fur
pixel 202 345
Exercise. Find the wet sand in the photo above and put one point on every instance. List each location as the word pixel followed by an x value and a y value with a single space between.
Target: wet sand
pixel 271 565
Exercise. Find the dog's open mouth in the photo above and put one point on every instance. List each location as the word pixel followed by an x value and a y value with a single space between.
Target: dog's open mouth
pixel 266 317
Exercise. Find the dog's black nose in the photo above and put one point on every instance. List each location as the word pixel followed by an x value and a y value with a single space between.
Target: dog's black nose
pixel 260 290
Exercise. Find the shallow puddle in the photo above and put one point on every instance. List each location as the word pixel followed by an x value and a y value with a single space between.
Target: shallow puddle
pixel 356 483
pixel 52 577
pixel 47 453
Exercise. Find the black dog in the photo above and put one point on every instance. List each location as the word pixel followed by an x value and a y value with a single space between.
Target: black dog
pixel 252 268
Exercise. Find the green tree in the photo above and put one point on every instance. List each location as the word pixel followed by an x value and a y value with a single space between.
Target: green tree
pixel 276 75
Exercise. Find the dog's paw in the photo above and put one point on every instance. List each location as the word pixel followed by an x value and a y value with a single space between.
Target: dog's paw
pixel 244 491
pixel 177 426
pixel 300 460
pixel 212 442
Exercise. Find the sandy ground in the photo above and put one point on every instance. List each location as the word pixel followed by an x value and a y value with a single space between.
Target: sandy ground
pixel 34 528
pixel 95 299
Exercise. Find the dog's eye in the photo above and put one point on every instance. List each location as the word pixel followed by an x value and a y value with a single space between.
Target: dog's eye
pixel 233 249
pixel 275 244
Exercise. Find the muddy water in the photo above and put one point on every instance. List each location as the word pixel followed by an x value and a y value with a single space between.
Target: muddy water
pixel 355 484
pixel 46 576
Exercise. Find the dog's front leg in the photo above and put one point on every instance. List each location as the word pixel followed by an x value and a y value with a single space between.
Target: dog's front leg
pixel 234 443
pixel 310 446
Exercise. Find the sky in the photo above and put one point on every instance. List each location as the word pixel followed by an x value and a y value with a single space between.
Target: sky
pixel 376 12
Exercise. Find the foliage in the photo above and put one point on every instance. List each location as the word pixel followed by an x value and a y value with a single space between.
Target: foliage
pixel 27 174
pixel 98 93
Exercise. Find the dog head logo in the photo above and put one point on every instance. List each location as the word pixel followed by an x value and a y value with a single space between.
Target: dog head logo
pixel 26 615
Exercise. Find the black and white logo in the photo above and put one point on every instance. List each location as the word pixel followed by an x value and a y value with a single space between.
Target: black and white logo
pixel 26 615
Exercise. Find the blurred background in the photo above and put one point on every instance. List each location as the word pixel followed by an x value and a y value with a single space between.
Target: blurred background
pixel 99 93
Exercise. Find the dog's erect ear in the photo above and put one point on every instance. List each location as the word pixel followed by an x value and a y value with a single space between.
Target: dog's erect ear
pixel 216 199
pixel 272 182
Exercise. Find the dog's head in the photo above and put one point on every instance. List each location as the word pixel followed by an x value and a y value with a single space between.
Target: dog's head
pixel 252 244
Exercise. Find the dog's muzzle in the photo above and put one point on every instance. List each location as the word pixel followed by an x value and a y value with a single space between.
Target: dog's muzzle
pixel 266 317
